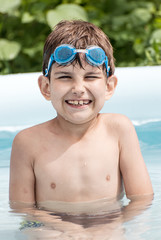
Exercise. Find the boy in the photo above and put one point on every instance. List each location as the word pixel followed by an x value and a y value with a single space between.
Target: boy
pixel 80 155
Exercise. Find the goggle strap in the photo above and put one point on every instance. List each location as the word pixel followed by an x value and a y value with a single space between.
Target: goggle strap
pixel 49 65
pixel 81 51
pixel 46 72
pixel 107 67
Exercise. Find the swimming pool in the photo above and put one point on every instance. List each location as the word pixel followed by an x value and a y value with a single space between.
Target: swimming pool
pixel 139 97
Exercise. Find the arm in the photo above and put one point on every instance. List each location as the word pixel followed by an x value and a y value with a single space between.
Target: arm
pixel 136 206
pixel 134 172
pixel 22 179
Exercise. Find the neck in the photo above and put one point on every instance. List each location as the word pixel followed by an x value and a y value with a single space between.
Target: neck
pixel 76 131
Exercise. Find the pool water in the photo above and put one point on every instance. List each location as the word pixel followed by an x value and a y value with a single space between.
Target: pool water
pixel 139 97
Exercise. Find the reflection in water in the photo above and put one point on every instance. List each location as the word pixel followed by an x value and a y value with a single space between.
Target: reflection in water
pixel 78 227
pixel 108 224
pixel 87 221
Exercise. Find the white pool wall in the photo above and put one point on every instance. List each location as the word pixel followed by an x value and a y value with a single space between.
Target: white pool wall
pixel 138 95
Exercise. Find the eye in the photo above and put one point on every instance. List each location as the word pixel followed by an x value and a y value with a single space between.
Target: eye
pixel 92 77
pixel 64 77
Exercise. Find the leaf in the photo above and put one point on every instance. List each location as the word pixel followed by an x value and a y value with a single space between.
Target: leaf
pixel 138 46
pixel 140 16
pixel 156 36
pixel 119 21
pixel 32 51
pixel 65 12
pixel 7 5
pixel 27 17
pixel 9 49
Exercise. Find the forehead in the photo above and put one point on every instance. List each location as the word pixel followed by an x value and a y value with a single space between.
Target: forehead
pixel 76 68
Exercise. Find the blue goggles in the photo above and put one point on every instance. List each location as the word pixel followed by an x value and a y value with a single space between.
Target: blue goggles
pixel 65 54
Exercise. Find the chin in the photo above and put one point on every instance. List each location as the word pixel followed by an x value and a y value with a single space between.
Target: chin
pixel 79 121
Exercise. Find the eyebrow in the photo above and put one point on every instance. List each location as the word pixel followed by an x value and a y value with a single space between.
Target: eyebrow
pixel 87 73
pixel 62 73
pixel 94 72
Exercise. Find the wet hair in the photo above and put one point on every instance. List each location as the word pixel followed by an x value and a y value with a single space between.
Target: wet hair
pixel 79 34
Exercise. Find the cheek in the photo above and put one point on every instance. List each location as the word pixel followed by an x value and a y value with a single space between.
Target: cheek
pixel 55 98
pixel 56 91
pixel 60 86
pixel 99 90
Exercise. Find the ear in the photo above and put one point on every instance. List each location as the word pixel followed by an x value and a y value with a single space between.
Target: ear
pixel 111 86
pixel 44 86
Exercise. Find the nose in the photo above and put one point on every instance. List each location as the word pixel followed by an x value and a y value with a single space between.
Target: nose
pixel 78 88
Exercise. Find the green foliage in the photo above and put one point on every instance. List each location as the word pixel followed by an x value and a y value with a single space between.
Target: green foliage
pixel 8 5
pixel 134 29
pixel 65 11
pixel 9 49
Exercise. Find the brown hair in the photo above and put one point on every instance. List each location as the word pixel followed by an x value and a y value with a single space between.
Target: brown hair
pixel 80 34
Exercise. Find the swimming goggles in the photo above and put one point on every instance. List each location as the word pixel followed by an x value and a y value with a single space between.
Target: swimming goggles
pixel 65 54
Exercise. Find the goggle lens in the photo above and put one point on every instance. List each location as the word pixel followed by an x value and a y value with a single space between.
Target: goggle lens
pixel 65 53
pixel 96 56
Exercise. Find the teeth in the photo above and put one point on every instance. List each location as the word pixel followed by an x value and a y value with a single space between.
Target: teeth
pixel 86 102
pixel 81 102
pixel 76 102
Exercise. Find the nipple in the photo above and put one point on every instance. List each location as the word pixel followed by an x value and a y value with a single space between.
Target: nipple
pixel 108 178
pixel 53 185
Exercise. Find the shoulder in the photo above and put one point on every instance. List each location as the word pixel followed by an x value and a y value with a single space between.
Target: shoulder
pixel 22 145
pixel 25 135
pixel 117 121
pixel 31 132
pixel 25 146
pixel 28 138
pixel 33 137
pixel 125 131
pixel 119 126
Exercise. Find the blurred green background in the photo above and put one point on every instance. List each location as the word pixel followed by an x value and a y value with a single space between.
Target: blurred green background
pixel 134 29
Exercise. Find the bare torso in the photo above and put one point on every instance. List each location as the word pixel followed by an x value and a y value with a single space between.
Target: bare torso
pixel 73 170
pixel 52 163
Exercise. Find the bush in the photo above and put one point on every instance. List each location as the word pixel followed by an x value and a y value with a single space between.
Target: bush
pixel 134 28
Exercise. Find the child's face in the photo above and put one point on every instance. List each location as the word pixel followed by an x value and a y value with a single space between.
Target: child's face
pixel 77 94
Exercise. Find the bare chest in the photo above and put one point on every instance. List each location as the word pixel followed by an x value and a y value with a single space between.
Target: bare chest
pixel 80 172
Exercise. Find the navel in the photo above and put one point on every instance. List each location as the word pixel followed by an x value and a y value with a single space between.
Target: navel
pixel 108 177
pixel 53 185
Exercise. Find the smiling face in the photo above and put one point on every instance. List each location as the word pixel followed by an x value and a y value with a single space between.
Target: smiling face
pixel 77 94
